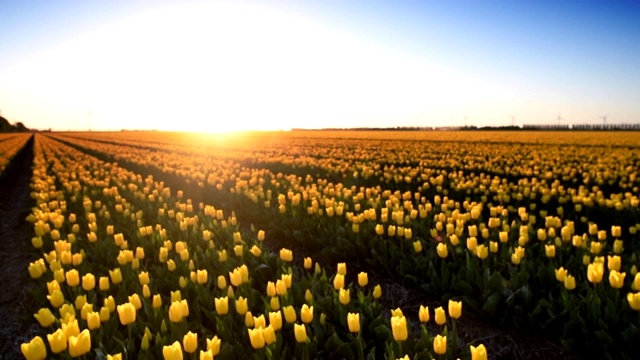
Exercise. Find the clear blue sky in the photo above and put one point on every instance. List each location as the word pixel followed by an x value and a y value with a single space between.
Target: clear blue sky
pixel 218 65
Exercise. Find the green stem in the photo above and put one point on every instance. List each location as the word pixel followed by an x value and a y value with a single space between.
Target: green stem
pixel 360 348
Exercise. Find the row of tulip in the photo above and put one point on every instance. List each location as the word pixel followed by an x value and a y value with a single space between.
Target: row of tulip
pixel 128 270
pixel 10 145
pixel 501 272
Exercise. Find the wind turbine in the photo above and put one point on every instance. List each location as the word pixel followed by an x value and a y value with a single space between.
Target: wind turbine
pixel 604 119
pixel 513 120
pixel 559 119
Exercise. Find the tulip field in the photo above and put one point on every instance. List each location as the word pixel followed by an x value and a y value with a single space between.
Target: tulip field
pixel 294 245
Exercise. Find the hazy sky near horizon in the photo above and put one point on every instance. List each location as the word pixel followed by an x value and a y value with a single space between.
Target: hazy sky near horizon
pixel 238 65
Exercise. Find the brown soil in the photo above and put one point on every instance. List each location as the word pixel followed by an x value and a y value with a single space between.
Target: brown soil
pixel 16 302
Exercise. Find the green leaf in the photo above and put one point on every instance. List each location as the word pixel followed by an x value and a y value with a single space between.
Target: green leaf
pixel 495 283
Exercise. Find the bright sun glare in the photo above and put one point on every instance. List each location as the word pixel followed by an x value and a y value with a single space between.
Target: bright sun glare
pixel 217 67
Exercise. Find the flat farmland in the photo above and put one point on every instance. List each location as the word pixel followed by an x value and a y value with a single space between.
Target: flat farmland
pixel 321 244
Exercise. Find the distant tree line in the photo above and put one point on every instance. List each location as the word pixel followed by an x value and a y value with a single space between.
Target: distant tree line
pixel 6 127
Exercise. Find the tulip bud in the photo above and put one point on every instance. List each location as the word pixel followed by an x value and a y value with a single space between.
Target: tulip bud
pixel 338 281
pixel 440 316
pixel 363 279
pixel 127 313
pixel 45 317
pixel 634 300
pixel 377 292
pixel 353 321
pixel 479 352
pixel 455 309
pixel 300 332
pixel 172 352
pixel 256 337
pixel 399 328
pixel 289 314
pixel 275 320
pixel 190 342
pixel 423 314
pixel 222 305
pixel 80 344
pixel 306 313
pixel 34 349
pixel 344 296
pixel 440 344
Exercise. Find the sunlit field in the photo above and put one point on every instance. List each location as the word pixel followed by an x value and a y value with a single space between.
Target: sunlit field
pixel 299 244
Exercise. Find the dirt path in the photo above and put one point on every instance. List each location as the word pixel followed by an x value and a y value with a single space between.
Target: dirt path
pixel 16 304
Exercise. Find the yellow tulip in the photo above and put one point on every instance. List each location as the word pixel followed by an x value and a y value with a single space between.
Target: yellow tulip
pixel 256 337
pixel 242 305
pixel 306 313
pixel 289 314
pixel 281 288
pixel 472 243
pixel 81 344
pixel 363 279
pixel 399 328
pixel 222 305
pixel 269 334
pixel 636 282
pixel 259 322
pixel 135 300
pixel 287 279
pixel 143 277
pixel 93 320
pixel 377 292
pixel 274 302
pixel 634 300
pixel 206 355
pixel 255 251
pixel 423 314
pixel 103 283
pixel 172 352
pixel 614 262
pixel 157 301
pixel 275 320
pixel 44 317
pixel 353 320
pixel 190 342
pixel 479 352
pixel 271 289
pixel 440 316
pixel 595 271
pixel 344 296
pixel 56 298
pixel 417 245
pixel 342 269
pixel 300 332
pixel 34 349
pixel 455 309
pixel 117 356
pixel 561 274
pixel 110 303
pixel 73 277
pixel 616 279
pixel 286 255
pixel 116 275
pixel 338 282
pixel 105 314
pixel 440 344
pixel 213 345
pixel 442 250
pixel 57 341
pixel 550 250
pixel 127 313
pixel 308 263
pixel 482 251
pixel 396 312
